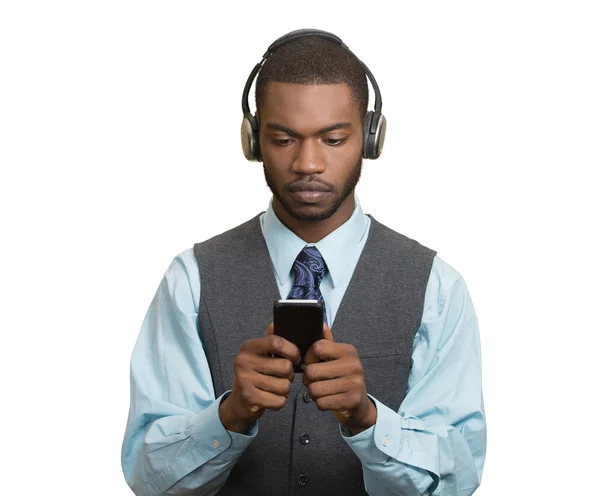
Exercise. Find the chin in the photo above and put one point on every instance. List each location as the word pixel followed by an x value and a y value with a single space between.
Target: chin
pixel 310 213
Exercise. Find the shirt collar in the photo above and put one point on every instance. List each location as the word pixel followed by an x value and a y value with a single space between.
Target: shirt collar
pixel 338 248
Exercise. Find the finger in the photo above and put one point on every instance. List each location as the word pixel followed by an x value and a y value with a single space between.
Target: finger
pixel 333 369
pixel 311 355
pixel 272 345
pixel 282 347
pixel 270 329
pixel 329 387
pixel 270 384
pixel 328 336
pixel 256 346
pixel 324 349
pixel 277 367
pixel 341 402
pixel 268 400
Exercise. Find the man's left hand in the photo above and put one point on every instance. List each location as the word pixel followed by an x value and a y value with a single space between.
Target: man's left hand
pixel 335 381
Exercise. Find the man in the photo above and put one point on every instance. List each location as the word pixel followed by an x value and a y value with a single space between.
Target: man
pixel 390 400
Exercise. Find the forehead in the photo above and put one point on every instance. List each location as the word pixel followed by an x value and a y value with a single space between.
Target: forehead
pixel 308 105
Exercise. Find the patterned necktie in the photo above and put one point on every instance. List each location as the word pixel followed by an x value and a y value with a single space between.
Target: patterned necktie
pixel 309 270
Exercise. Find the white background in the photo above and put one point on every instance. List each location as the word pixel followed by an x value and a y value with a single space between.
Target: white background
pixel 119 148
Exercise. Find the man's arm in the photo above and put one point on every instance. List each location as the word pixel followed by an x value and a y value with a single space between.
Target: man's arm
pixel 174 440
pixel 435 444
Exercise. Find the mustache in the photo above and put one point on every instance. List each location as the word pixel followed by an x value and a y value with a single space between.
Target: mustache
pixel 314 185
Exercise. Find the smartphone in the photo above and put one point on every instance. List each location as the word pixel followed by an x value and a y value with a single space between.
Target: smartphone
pixel 300 322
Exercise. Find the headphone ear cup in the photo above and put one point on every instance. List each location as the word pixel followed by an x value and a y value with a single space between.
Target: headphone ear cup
pixel 374 127
pixel 249 134
pixel 366 134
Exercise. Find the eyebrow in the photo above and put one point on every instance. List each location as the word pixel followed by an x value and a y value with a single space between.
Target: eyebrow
pixel 323 130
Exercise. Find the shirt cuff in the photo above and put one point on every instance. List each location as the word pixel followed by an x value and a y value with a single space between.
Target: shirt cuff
pixel 383 441
pixel 212 438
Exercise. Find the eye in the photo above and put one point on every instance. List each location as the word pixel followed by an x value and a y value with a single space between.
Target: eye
pixel 282 141
pixel 334 141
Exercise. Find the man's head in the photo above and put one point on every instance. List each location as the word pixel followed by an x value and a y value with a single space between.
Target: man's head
pixel 311 99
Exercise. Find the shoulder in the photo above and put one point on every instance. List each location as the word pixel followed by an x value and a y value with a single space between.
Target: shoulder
pixel 445 285
pixel 443 278
pixel 183 263
pixel 411 257
pixel 230 238
pixel 182 273
pixel 392 239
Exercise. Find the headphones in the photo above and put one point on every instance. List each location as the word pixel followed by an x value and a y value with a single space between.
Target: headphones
pixel 374 124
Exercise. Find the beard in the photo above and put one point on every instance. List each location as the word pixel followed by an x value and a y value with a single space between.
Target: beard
pixel 340 196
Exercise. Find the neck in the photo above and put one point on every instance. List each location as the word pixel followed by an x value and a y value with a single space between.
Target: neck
pixel 315 231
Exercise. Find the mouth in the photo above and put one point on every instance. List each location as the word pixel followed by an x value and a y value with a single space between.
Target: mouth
pixel 306 196
pixel 309 192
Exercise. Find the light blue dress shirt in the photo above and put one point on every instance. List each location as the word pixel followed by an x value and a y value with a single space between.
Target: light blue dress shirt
pixel 434 444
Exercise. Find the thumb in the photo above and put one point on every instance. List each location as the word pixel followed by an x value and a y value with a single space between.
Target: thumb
pixel 327 332
pixel 270 329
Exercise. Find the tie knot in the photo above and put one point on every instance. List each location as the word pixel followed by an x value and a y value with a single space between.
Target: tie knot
pixel 309 267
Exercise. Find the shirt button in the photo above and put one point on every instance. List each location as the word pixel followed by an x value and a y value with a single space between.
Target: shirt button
pixel 304 439
pixel 306 397
pixel 302 480
pixel 216 444
pixel 385 441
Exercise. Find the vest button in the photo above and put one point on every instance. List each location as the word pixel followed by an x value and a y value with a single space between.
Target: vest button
pixel 306 397
pixel 304 439
pixel 302 480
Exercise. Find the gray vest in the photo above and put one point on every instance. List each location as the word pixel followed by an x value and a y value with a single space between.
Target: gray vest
pixel 299 449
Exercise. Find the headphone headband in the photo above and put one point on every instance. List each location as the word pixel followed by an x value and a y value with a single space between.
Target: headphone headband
pixel 301 33
pixel 294 35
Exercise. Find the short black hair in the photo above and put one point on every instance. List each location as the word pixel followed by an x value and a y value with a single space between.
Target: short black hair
pixel 314 60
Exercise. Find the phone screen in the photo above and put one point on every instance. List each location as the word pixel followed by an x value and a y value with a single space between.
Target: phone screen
pixel 300 322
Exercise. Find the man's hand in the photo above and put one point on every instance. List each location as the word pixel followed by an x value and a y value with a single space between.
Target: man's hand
pixel 335 381
pixel 260 382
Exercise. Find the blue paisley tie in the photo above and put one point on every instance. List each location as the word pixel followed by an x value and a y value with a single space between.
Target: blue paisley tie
pixel 309 270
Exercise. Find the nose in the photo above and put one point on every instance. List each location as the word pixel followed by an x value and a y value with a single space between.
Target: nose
pixel 309 159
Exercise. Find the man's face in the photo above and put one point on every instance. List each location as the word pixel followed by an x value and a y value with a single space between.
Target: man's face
pixel 311 144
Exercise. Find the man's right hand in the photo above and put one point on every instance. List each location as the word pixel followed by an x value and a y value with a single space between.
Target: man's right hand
pixel 260 382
